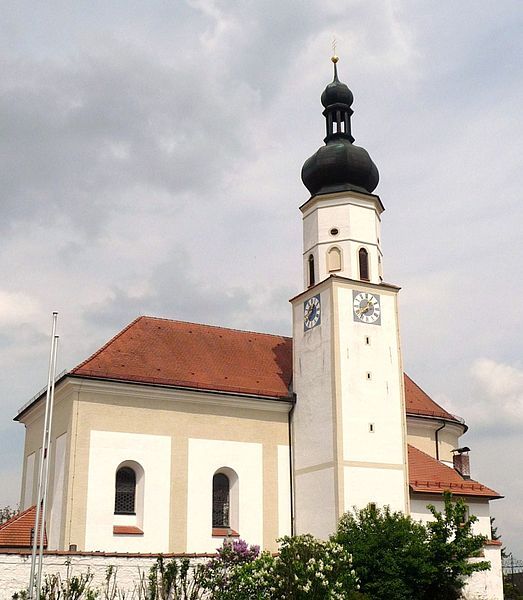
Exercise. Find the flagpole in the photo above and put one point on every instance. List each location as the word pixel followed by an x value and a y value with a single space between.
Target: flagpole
pixel 38 516
pixel 46 470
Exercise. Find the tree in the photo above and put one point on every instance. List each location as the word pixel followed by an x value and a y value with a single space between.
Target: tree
pixel 7 513
pixel 397 558
pixel 451 544
pixel 389 552
pixel 495 536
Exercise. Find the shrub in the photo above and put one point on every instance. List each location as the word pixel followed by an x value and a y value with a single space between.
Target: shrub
pixel 306 568
pixel 397 558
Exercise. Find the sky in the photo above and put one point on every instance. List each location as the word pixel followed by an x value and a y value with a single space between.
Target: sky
pixel 150 158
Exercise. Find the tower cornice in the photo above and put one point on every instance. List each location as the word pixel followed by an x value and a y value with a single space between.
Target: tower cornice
pixel 334 198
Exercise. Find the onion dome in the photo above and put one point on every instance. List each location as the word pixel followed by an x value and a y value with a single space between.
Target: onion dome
pixel 339 165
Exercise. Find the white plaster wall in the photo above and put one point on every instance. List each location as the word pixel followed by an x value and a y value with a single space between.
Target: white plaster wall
pixel 284 492
pixel 205 457
pixel 29 481
pixel 358 225
pixel 312 381
pixel 384 487
pixel 106 452
pixel 478 508
pixel 378 400
pixel 14 572
pixel 486 585
pixel 14 569
pixel 315 503
pixel 57 497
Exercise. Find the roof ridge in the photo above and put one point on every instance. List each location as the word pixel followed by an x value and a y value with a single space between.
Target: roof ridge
pixel 16 517
pixel 107 344
pixel 272 335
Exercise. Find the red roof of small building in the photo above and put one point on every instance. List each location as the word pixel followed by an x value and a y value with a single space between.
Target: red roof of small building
pixel 428 475
pixel 16 532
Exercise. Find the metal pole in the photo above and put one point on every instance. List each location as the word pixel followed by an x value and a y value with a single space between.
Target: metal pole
pixel 41 468
pixel 46 474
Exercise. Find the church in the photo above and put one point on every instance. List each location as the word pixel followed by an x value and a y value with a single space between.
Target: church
pixel 176 435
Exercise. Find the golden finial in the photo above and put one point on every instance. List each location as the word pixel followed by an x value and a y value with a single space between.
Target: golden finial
pixel 334 58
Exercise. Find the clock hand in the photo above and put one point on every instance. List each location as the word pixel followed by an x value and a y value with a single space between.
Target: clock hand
pixel 364 309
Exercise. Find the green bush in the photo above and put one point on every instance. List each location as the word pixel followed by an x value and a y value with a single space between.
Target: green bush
pixel 397 558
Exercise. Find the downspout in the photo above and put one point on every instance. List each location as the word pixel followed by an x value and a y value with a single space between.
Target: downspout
pixel 437 438
pixel 291 463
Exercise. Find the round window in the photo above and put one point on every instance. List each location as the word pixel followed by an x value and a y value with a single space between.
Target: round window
pixel 334 231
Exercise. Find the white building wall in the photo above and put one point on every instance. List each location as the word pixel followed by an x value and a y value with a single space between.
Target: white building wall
pixel 485 585
pixel 312 382
pixel 106 452
pixel 357 219
pixel 373 413
pixel 284 492
pixel 478 508
pixel 29 481
pixel 57 496
pixel 315 503
pixel 313 420
pixel 14 570
pixel 205 457
pixel 383 487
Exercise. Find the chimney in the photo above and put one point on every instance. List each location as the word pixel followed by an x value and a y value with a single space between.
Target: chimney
pixel 461 461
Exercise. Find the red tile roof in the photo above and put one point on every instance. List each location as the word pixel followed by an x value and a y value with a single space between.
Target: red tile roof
pixel 166 352
pixel 16 532
pixel 419 403
pixel 126 530
pixel 176 353
pixel 428 475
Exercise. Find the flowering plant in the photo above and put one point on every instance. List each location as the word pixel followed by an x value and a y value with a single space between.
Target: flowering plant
pixel 306 568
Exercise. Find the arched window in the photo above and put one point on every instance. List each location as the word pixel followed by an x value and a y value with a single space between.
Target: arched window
pixel 311 270
pixel 363 257
pixel 334 259
pixel 125 491
pixel 220 500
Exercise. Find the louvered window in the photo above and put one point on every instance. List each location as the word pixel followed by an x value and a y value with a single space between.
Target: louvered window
pixel 125 493
pixel 220 500
pixel 311 270
pixel 363 256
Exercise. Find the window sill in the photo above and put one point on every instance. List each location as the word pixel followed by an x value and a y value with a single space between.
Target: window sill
pixel 224 532
pixel 126 530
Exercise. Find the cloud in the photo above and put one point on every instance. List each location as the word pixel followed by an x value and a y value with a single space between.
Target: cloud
pixel 497 395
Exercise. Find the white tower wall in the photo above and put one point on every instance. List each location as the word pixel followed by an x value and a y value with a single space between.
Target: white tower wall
pixel 349 425
pixel 357 219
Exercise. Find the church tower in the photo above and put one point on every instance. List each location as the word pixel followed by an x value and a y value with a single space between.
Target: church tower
pixel 348 425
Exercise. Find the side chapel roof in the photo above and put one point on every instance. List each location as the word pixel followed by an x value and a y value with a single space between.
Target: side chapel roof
pixel 430 476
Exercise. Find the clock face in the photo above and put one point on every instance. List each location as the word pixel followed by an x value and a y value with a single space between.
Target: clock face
pixel 366 307
pixel 311 312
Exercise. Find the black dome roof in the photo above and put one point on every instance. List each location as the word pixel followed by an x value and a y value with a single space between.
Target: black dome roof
pixel 336 92
pixel 339 165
